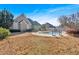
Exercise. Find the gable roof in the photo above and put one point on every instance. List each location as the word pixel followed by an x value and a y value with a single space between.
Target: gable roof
pixel 33 22
pixel 48 25
pixel 21 18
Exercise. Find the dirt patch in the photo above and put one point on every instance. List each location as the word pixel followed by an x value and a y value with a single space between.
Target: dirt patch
pixel 27 44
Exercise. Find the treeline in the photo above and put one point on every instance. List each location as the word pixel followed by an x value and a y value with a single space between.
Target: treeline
pixel 70 22
pixel 6 21
pixel 6 18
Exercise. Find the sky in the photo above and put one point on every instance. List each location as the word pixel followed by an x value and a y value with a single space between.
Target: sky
pixel 42 12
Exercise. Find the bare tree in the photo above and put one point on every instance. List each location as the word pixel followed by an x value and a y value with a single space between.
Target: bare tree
pixel 71 21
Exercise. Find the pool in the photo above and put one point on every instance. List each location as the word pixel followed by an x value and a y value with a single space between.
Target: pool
pixel 50 33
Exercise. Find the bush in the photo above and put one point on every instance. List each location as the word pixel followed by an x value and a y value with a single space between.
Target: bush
pixel 4 33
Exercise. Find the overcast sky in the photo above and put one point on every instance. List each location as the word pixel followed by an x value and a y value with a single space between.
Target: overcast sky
pixel 42 12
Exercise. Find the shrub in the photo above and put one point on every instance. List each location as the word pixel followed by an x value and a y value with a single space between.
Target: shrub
pixel 4 33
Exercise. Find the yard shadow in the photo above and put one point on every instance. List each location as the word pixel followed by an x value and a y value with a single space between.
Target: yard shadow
pixel 75 34
pixel 16 33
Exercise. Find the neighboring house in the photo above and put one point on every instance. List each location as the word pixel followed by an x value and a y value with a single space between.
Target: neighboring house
pixel 47 27
pixel 36 26
pixel 21 23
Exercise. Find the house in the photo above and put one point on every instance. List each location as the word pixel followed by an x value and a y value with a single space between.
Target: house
pixel 36 26
pixel 21 23
pixel 47 27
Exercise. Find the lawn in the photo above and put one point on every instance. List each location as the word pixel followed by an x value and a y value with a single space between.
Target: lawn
pixel 29 44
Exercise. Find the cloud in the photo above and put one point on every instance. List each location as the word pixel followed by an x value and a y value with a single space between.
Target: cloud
pixel 49 15
pixel 64 8
pixel 45 18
